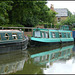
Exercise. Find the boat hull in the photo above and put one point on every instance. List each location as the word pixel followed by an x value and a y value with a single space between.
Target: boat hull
pixel 38 43
pixel 9 47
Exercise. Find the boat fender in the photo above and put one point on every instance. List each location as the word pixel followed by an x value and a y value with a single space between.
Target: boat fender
pixel 60 42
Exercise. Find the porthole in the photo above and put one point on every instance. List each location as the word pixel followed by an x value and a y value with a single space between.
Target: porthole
pixel 7 36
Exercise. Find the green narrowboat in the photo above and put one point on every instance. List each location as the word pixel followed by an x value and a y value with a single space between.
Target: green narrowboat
pixel 50 36
pixel 11 40
pixel 52 55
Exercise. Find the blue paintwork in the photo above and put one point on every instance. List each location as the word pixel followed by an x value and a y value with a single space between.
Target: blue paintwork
pixel 73 34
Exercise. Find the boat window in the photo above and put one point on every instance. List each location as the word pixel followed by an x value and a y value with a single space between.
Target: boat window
pixel 53 55
pixel 71 34
pixel 43 35
pixel 47 57
pixel 14 36
pixel 37 34
pixel 60 35
pixel 68 35
pixel 59 53
pixel 53 34
pixel 47 35
pixel 64 52
pixel 68 51
pixel 42 58
pixel 65 35
pixel 7 36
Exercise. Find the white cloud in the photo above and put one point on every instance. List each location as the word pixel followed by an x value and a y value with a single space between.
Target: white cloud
pixel 68 67
pixel 70 5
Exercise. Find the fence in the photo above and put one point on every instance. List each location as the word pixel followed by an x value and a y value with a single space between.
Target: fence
pixel 27 30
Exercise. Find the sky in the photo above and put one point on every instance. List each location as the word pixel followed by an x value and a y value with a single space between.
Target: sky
pixel 70 5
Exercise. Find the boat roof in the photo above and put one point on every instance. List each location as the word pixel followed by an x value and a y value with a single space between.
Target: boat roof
pixel 51 29
pixel 11 30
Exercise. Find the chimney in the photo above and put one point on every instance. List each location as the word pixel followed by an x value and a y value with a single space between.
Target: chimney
pixel 52 7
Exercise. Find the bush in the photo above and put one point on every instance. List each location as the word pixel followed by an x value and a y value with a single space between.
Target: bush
pixel 73 28
pixel 12 25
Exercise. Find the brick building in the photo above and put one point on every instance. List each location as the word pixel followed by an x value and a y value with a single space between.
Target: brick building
pixel 62 13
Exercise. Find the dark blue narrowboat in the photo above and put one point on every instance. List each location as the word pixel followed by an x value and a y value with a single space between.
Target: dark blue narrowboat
pixel 11 40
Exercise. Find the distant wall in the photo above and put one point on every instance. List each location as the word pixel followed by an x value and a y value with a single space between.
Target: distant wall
pixel 28 33
pixel 61 18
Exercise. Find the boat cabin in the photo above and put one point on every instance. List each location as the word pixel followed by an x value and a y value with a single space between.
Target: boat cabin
pixel 12 40
pixel 48 33
pixel 64 27
pixel 11 35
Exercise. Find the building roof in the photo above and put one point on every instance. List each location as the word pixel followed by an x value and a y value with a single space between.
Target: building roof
pixel 61 12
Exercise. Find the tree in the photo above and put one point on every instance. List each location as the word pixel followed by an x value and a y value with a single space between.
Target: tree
pixel 26 13
pixel 30 13
pixel 4 8
pixel 68 21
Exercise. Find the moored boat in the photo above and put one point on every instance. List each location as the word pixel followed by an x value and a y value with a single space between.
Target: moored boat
pixel 50 36
pixel 11 40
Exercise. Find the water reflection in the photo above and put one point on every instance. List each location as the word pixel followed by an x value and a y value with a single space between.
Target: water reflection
pixel 12 62
pixel 52 55
pixel 39 60
pixel 66 65
pixel 55 60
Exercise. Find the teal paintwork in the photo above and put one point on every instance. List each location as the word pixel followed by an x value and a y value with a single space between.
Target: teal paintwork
pixel 20 36
pixel 58 54
pixel 57 38
pixel 45 39
pixel 64 27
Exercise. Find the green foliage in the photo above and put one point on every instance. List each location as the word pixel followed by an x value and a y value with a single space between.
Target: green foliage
pixel 31 13
pixel 73 28
pixel 11 25
pixel 4 8
pixel 26 13
pixel 68 21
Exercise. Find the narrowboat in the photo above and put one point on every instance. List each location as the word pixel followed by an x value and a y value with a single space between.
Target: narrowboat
pixel 50 56
pixel 50 36
pixel 11 40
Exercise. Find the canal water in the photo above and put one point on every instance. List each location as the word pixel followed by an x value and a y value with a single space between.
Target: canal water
pixel 40 60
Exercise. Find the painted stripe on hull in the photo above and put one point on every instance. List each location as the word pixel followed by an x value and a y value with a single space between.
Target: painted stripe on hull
pixel 52 39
